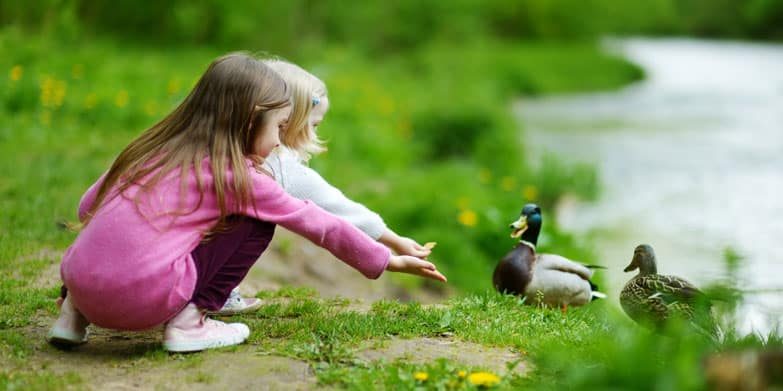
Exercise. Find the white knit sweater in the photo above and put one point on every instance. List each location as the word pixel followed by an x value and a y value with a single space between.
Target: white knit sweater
pixel 305 183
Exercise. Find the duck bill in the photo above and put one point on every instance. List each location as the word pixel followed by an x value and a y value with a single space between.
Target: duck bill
pixel 519 227
pixel 630 267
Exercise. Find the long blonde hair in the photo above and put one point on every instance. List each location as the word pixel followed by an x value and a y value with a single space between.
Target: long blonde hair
pixel 305 87
pixel 220 118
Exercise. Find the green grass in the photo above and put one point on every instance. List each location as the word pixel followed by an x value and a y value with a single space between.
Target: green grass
pixel 593 347
pixel 39 380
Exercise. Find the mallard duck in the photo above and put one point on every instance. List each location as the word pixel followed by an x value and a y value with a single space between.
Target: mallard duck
pixel 652 298
pixel 541 278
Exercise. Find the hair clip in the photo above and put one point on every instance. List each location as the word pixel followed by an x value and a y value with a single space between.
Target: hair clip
pixel 316 100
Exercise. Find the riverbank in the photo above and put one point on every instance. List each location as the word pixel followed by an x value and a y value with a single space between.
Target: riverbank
pixel 690 163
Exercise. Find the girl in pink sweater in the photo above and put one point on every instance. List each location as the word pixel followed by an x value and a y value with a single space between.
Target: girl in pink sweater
pixel 186 209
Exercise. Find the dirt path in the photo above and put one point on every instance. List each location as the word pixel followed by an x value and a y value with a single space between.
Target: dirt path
pixel 132 361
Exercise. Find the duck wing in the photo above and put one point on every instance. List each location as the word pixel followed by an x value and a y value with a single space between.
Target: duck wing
pixel 563 264
pixel 640 301
pixel 671 289
pixel 658 297
pixel 555 287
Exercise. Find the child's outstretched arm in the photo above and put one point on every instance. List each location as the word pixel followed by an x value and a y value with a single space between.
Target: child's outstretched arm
pixel 337 235
pixel 305 183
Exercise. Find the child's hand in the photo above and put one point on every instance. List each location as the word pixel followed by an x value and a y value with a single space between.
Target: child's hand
pixel 408 246
pixel 413 265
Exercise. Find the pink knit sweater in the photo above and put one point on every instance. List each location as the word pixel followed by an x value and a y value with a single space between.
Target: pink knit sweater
pixel 130 268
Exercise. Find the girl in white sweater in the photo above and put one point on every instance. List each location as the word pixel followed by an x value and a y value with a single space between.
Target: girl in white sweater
pixel 288 164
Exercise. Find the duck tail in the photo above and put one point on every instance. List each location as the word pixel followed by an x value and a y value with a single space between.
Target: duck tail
pixel 594 293
pixel 597 295
pixel 595 266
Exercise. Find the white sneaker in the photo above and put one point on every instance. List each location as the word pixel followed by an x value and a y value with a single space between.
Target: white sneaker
pixel 70 328
pixel 192 331
pixel 236 304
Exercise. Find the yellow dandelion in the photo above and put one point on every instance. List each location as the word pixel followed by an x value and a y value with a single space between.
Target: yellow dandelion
pixel 485 176
pixel 77 71
pixel 461 374
pixel 173 86
pixel 47 88
pixel 463 202
pixel 467 218
pixel 484 379
pixel 90 101
pixel 52 92
pixel 530 193
pixel 59 88
pixel 508 183
pixel 421 376
pixel 16 73
pixel 121 100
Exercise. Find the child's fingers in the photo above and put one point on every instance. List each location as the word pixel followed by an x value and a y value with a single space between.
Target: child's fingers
pixel 433 274
pixel 425 264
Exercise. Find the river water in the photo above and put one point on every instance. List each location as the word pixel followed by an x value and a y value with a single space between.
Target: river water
pixel 690 160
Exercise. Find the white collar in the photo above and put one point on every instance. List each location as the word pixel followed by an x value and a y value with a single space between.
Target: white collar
pixel 526 243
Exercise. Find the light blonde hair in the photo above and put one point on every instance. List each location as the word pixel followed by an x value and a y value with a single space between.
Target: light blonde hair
pixel 220 118
pixel 305 87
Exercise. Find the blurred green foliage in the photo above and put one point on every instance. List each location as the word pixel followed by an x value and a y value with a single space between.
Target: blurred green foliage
pixel 383 27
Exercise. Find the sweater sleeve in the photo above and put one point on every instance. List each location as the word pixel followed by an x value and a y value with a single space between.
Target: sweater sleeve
pixel 340 237
pixel 88 198
pixel 305 183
